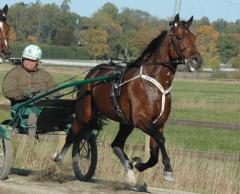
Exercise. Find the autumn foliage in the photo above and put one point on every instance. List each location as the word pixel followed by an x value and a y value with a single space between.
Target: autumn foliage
pixel 110 32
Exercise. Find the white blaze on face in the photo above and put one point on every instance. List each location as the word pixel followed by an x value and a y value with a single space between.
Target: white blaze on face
pixel 5 40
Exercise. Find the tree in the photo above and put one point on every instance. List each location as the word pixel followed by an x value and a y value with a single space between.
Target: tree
pixel 96 42
pixel 31 39
pixel 19 18
pixel 212 61
pixel 134 19
pixel 238 26
pixel 110 9
pixel 204 21
pixel 140 40
pixel 220 25
pixel 63 28
pixel 227 46
pixel 65 6
pixel 106 19
pixel 235 61
pixel 12 36
pixel 206 41
pixel 46 26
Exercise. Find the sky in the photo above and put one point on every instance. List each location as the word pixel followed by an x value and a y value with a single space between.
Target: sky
pixel 163 9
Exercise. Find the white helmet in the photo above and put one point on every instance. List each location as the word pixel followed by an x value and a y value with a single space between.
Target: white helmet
pixel 32 52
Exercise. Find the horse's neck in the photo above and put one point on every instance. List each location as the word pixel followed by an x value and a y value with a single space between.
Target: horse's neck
pixel 163 73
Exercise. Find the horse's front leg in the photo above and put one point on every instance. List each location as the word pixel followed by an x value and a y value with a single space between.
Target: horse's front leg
pixel 118 146
pixel 157 141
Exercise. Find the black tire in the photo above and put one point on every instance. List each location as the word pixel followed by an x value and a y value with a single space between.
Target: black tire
pixel 84 157
pixel 6 158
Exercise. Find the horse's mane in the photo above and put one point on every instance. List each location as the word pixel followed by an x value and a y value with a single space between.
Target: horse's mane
pixel 151 48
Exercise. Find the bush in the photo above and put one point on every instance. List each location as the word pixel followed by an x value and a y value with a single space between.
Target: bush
pixel 226 75
pixel 235 61
pixel 55 52
pixel 213 62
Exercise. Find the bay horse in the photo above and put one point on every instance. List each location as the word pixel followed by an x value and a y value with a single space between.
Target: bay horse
pixel 145 99
pixel 4 35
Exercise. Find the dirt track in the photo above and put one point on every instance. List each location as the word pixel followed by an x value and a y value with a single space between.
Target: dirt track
pixel 34 184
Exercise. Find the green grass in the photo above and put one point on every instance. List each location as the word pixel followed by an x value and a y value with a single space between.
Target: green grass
pixel 202 139
pixel 206 100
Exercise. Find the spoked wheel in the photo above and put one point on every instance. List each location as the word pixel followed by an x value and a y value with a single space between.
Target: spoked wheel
pixel 84 156
pixel 5 157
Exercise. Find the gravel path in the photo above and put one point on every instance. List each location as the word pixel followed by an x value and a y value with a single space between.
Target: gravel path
pixel 32 184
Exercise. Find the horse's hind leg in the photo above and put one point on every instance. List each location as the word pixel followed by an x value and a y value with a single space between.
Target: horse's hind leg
pixel 118 146
pixel 83 115
pixel 58 157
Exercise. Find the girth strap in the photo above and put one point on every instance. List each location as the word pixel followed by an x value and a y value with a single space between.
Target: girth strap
pixel 115 93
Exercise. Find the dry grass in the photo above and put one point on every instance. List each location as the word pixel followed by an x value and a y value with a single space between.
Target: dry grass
pixel 192 173
pixel 205 105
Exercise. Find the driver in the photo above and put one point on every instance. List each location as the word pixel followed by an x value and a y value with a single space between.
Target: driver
pixel 26 80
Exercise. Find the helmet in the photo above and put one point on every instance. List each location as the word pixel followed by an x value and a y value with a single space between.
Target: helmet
pixel 32 52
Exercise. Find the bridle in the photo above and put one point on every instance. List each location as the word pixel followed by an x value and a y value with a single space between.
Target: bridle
pixel 172 64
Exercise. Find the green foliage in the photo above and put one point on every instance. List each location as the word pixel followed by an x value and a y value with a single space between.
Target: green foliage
pixel 213 62
pixel 227 46
pixel 65 6
pixel 44 21
pixel 96 42
pixel 55 52
pixel 235 61
pixel 220 25
pixel 110 9
pixel 204 21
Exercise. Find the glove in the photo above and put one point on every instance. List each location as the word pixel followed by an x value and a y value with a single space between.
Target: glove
pixel 30 93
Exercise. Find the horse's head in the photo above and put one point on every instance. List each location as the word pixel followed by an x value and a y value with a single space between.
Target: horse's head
pixel 182 43
pixel 4 34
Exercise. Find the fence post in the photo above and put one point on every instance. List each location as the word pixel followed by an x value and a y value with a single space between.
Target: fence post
pixel 147 147
pixel 61 139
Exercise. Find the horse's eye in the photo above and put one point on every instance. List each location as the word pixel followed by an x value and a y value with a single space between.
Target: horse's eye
pixel 179 37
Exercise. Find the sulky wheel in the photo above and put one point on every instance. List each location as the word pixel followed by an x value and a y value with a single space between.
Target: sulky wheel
pixel 5 157
pixel 84 155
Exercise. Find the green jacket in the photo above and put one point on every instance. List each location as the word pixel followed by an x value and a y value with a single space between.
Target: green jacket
pixel 17 81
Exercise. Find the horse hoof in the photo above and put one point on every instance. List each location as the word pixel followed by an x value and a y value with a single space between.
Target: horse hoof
pixel 131 179
pixel 55 157
pixel 135 160
pixel 168 176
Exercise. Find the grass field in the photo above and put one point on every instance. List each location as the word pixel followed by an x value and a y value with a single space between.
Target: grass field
pixel 192 99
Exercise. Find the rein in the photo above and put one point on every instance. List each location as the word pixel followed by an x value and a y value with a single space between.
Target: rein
pixel 167 64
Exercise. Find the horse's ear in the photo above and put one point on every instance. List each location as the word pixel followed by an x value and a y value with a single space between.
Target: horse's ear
pixel 5 9
pixel 189 22
pixel 176 18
